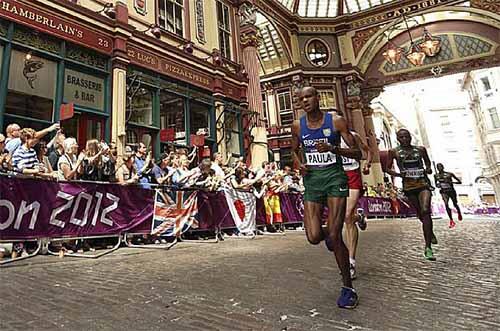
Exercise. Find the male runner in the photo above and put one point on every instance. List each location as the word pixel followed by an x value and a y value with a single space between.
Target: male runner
pixel 444 180
pixel 414 165
pixel 355 183
pixel 315 144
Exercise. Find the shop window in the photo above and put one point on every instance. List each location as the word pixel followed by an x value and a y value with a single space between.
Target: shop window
pixel 286 157
pixel 131 137
pixel 223 23
pixel 264 106
pixel 94 129
pixel 199 118
pixel 171 15
pixel 285 108
pixel 32 85
pixel 172 115
pixel 140 109
pixel 495 120
pixel 83 89
pixel 486 83
pixel 327 100
pixel 232 133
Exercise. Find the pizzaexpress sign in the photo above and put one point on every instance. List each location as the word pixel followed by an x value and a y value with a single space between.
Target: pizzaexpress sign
pixel 33 17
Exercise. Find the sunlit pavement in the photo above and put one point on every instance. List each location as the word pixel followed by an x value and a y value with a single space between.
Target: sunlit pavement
pixel 269 283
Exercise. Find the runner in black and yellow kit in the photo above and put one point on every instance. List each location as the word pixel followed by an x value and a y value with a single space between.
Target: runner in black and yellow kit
pixel 414 166
pixel 444 181
pixel 317 152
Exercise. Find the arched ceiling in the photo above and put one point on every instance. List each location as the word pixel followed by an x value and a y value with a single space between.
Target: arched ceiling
pixel 272 53
pixel 329 8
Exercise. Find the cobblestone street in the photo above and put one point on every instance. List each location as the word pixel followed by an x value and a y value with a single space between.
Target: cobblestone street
pixel 270 283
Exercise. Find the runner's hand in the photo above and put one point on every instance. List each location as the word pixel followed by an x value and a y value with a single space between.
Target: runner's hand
pixel 324 147
pixel 303 170
pixel 366 169
pixel 428 171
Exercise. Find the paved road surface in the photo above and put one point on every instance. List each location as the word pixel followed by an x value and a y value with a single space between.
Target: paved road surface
pixel 270 283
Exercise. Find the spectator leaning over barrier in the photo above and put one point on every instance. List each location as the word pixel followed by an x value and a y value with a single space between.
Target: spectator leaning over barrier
pixel 13 131
pixel 56 150
pixel 217 165
pixel 43 160
pixel 92 161
pixel 126 173
pixel 109 159
pixel 183 177
pixel 3 154
pixel 144 162
pixel 24 159
pixel 162 171
pixel 69 165
pixel 14 140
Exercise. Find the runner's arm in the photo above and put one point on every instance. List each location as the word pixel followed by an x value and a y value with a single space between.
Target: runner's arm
pixel 297 155
pixel 390 163
pixel 354 151
pixel 458 181
pixel 427 160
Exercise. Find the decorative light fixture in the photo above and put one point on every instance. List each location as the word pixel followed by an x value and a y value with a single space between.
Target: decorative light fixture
pixel 393 54
pixel 431 45
pixel 155 31
pixel 415 55
pixel 417 52
pixel 108 10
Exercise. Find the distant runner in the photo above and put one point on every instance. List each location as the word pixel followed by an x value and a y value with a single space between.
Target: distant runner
pixel 414 166
pixel 444 181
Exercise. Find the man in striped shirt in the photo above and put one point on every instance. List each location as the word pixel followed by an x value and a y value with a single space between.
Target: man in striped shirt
pixel 24 159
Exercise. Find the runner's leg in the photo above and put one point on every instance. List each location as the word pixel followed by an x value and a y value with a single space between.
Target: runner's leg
pixel 446 200
pixel 351 230
pixel 415 202
pixel 312 222
pixel 457 207
pixel 424 198
pixel 336 216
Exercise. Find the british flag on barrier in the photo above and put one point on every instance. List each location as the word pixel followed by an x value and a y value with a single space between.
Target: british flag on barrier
pixel 173 214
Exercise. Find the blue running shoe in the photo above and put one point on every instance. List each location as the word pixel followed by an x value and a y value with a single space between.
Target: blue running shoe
pixel 348 298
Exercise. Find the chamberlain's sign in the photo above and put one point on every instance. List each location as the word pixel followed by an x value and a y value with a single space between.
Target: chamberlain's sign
pixel 169 68
pixel 33 17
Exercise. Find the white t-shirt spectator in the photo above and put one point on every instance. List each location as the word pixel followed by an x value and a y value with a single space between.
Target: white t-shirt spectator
pixel 24 158
pixel 218 170
pixel 13 144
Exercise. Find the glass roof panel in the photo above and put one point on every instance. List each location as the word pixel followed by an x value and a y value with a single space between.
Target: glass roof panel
pixel 270 46
pixel 328 8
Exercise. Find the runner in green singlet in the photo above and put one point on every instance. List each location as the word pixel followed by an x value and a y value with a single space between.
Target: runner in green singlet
pixel 414 166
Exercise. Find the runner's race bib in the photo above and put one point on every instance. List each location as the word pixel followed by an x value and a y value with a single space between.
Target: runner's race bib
pixel 445 185
pixel 414 173
pixel 318 159
pixel 347 161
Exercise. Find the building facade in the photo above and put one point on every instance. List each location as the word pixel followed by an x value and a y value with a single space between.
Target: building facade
pixel 147 71
pixel 483 88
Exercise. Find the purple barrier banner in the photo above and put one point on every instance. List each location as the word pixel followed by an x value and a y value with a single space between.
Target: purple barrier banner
pixel 213 211
pixel 30 208
pixel 376 206
pixel 292 207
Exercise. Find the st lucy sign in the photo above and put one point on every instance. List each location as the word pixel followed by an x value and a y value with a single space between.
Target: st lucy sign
pixel 46 22
pixel 169 68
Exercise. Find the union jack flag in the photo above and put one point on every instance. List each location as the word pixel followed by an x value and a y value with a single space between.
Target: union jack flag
pixel 173 214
